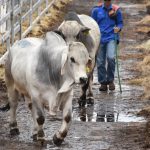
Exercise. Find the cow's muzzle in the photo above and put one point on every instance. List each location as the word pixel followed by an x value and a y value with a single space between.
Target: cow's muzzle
pixel 83 80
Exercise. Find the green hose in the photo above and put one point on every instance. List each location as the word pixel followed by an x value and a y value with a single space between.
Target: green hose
pixel 117 62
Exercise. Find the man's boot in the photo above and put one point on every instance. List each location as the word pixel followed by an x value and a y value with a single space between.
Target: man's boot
pixel 111 86
pixel 103 87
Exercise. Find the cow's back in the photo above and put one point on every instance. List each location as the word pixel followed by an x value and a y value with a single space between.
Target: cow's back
pixel 35 64
pixel 22 56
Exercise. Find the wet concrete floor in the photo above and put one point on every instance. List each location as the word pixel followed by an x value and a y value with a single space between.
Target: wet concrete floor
pixel 110 124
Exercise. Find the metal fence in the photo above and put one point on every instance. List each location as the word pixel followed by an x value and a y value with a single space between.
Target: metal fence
pixel 18 17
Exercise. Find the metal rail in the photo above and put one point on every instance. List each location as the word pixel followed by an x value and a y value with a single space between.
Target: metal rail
pixel 15 13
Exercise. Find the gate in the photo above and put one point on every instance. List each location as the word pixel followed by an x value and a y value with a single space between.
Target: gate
pixel 18 17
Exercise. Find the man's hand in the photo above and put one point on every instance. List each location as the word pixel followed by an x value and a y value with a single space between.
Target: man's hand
pixel 116 29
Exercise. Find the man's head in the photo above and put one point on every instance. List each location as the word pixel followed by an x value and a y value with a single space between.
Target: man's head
pixel 107 3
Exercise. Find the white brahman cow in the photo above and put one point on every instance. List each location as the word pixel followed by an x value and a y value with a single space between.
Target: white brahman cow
pixel 45 71
pixel 84 29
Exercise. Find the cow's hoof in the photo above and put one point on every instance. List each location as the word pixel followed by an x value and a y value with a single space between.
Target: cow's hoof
pixel 41 140
pixel 90 101
pixel 34 137
pixel 57 141
pixel 5 108
pixel 41 137
pixel 81 102
pixel 14 131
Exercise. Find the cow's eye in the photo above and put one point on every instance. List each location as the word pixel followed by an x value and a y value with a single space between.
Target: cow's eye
pixel 72 60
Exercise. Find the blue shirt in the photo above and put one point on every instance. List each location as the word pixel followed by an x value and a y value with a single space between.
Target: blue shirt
pixel 107 23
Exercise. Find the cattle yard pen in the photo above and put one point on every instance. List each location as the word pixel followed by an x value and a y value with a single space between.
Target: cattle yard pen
pixel 18 17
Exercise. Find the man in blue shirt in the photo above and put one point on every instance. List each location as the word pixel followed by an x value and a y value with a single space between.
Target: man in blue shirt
pixel 109 19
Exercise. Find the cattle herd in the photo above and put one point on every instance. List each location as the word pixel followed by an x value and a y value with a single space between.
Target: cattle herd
pixel 44 71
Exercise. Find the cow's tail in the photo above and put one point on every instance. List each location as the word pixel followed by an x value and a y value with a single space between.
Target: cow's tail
pixel 3 59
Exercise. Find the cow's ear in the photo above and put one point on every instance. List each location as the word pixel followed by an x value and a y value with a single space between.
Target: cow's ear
pixel 64 59
pixel 85 30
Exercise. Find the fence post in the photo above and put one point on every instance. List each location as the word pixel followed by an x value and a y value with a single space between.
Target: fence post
pixel 0 18
pixel 39 8
pixel 8 27
pixel 20 19
pixel 2 14
pixel 12 22
pixel 30 19
pixel 46 3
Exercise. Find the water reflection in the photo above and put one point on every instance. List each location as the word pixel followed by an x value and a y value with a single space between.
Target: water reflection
pixel 82 114
pixel 86 114
pixel 105 118
pixel 101 113
pixel 106 109
pixel 105 112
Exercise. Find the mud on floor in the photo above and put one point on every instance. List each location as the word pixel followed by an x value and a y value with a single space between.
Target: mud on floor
pixel 88 130
pixel 111 124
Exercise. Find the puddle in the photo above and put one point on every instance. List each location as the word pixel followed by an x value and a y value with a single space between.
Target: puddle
pixel 111 106
pixel 87 115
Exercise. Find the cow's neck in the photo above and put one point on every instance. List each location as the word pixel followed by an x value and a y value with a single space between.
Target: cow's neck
pixel 48 70
pixel 89 45
pixel 67 79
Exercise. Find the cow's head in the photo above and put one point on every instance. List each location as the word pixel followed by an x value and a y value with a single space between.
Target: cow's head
pixel 74 62
pixel 72 31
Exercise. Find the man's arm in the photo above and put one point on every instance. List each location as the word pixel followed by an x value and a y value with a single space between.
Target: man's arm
pixel 94 13
pixel 119 20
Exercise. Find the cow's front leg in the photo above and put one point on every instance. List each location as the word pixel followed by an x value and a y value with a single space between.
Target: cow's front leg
pixel 82 99
pixel 39 119
pixel 90 98
pixel 13 102
pixel 35 124
pixel 67 113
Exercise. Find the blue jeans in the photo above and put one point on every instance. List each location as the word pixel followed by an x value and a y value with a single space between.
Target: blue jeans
pixel 106 62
